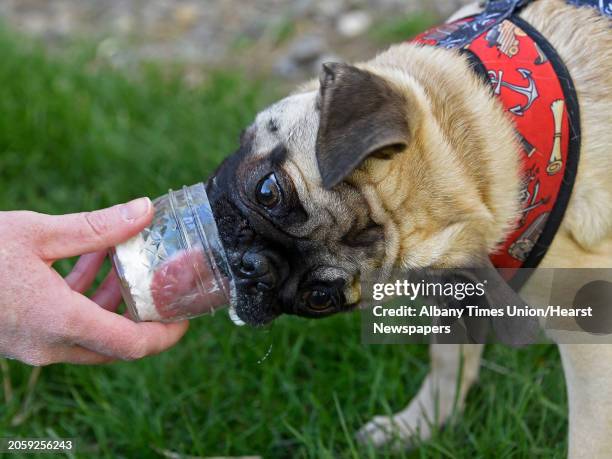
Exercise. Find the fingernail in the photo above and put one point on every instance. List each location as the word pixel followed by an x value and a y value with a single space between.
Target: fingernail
pixel 135 209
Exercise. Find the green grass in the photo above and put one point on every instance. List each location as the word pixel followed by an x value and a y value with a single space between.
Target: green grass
pixel 76 135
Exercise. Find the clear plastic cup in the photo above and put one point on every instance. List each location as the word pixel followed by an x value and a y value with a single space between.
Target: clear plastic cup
pixel 176 268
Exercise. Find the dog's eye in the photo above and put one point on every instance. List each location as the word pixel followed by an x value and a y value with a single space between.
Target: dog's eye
pixel 318 299
pixel 268 192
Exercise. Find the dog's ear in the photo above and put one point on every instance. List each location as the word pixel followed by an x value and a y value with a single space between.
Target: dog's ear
pixel 514 331
pixel 361 115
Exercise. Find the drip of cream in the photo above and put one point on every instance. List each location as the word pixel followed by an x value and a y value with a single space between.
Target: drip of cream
pixel 234 316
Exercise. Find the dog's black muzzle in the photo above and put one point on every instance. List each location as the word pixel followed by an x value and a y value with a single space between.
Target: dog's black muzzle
pixel 257 267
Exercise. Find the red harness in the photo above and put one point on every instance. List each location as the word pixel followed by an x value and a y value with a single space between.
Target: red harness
pixel 527 76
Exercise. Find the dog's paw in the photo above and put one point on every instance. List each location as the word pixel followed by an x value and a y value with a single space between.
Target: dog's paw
pixel 399 431
pixel 378 432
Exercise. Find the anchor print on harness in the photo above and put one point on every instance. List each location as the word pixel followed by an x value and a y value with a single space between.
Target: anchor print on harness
pixel 530 91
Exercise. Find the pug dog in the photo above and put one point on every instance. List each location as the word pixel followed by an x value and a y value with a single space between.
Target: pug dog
pixel 408 161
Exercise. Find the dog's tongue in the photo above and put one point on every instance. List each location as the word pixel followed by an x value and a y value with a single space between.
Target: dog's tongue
pixel 184 286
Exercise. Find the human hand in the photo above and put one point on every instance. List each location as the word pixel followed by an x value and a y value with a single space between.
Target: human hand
pixel 45 318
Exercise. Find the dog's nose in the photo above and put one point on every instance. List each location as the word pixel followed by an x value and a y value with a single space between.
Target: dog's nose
pixel 254 264
pixel 257 271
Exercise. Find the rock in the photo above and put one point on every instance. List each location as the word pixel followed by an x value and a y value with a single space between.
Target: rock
pixel 354 23
pixel 285 67
pixel 34 23
pixel 123 24
pixel 330 8
pixel 301 55
pixel 306 49
pixel 186 15
pixel 301 8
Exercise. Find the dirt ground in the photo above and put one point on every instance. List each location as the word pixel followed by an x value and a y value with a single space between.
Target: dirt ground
pixel 288 38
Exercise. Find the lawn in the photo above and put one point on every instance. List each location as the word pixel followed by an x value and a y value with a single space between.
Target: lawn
pixel 77 135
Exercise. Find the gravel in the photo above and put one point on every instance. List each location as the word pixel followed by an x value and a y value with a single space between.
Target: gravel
pixel 282 36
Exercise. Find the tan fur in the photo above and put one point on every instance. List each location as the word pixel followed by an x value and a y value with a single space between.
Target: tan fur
pixel 455 190
pixel 453 195
pixel 460 177
pixel 583 39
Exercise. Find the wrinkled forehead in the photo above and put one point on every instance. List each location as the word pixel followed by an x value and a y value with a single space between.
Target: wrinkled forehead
pixel 291 123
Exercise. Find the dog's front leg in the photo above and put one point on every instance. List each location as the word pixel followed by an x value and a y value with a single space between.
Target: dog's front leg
pixel 454 368
pixel 588 372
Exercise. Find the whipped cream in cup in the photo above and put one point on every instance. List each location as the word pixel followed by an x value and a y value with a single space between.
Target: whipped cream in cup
pixel 176 268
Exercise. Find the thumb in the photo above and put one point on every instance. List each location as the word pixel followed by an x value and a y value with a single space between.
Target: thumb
pixel 62 236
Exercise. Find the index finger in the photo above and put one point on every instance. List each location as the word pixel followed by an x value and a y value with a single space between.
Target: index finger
pixel 116 336
pixel 63 236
